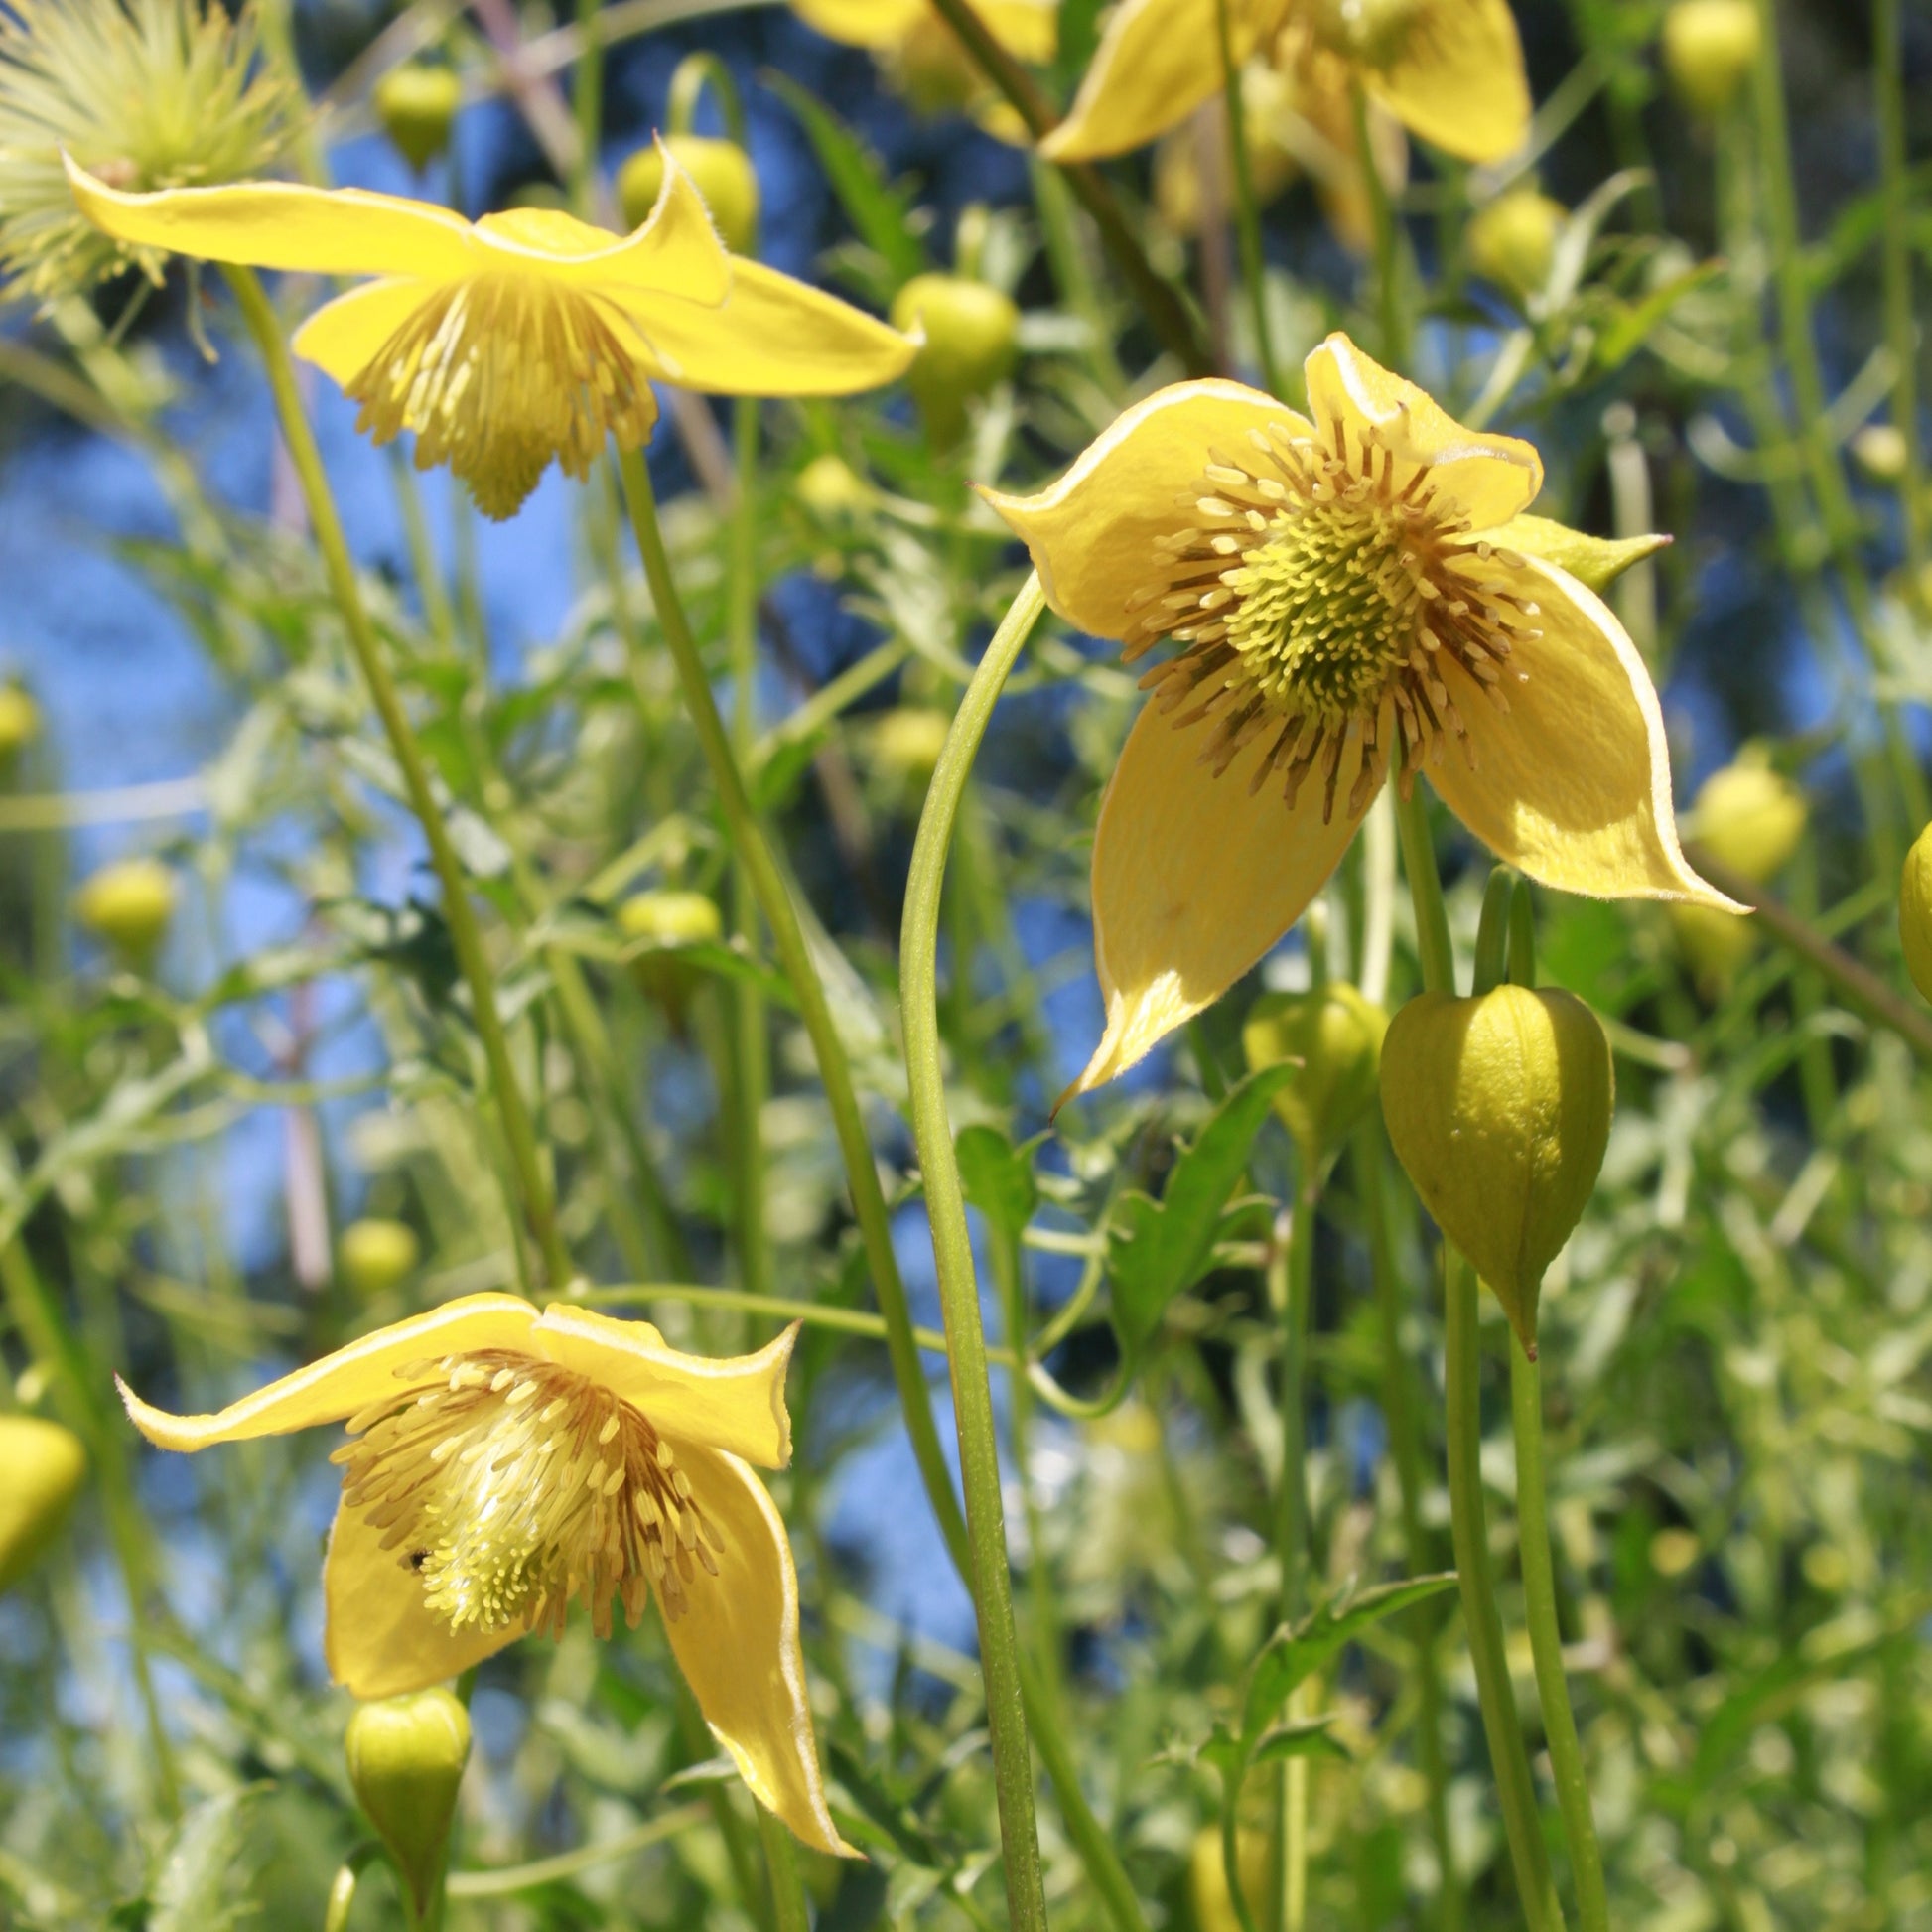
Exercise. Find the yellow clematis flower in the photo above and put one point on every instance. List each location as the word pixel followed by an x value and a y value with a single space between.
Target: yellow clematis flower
pixel 1346 594
pixel 923 56
pixel 1449 70
pixel 502 1462
pixel 528 335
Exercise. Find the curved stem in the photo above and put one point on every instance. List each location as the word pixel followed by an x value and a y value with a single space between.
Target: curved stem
pixel 1546 1642
pixel 754 851
pixel 466 936
pixel 952 1250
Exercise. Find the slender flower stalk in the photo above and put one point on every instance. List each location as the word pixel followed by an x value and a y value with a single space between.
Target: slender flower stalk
pixel 1247 211
pixel 952 1250
pixel 533 1185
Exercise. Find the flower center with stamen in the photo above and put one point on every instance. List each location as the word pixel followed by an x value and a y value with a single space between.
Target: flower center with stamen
pixel 498 374
pixel 511 1485
pixel 1318 595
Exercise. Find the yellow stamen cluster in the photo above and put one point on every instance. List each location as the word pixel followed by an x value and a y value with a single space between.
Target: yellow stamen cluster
pixel 498 374
pixel 511 1485
pixel 1317 590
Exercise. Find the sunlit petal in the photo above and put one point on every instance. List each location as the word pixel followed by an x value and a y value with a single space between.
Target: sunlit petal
pixel 862 23
pixel 1196 877
pixel 1460 82
pixel 343 337
pixel 1093 533
pixel 336 1387
pixel 1571 785
pixel 1156 62
pixel 739 1648
pixel 735 1403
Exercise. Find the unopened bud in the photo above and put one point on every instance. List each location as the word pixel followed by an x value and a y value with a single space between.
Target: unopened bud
pixel 722 172
pixel 405 1762
pixel 1915 913
pixel 908 740
pixel 374 1255
pixel 662 924
pixel 1708 48
pixel 831 489
pixel 1880 451
pixel 20 723
pixel 972 341
pixel 1748 817
pixel 1499 1108
pixel 128 905
pixel 44 1466
pixel 1513 240
pixel 1336 1036
pixel 1207 1877
pixel 417 105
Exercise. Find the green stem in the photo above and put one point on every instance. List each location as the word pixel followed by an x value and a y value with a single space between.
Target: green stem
pixel 789 1913
pixel 1468 1525
pixel 795 962
pixel 1546 1642
pixel 1247 211
pixel 1401 1406
pixel 1388 269
pixel 952 1250
pixel 465 935
pixel 1901 324
pixel 1424 886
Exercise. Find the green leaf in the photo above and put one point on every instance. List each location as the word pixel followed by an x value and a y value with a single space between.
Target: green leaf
pixel 1159 1248
pixel 998 1179
pixel 880 212
pixel 1291 1655
pixel 197 1890
pixel 1299 1738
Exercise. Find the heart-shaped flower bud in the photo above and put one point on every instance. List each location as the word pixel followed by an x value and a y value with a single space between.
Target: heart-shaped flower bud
pixel 1499 1108
pixel 1336 1036
pixel 45 1465
pixel 721 171
pixel 972 341
pixel 1708 47
pixel 1748 817
pixel 374 1255
pixel 417 105
pixel 1513 240
pixel 665 923
pixel 1915 913
pixel 405 1761
pixel 128 905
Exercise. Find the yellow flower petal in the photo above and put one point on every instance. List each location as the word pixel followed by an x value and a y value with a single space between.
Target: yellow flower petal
pixel 1460 84
pixel 343 337
pixel 1029 30
pixel 1573 786
pixel 738 1646
pixel 1491 478
pixel 773 337
pixel 1092 534
pixel 1194 879
pixel 862 23
pixel 735 1403
pixel 335 1388
pixel 378 1637
pixel 1156 62
pixel 281 224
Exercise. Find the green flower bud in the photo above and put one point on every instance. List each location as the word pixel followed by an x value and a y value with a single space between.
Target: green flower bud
pixel 1499 1108
pixel 417 105
pixel 128 905
pixel 1513 240
pixel 722 172
pixel 666 922
pixel 972 341
pixel 1915 913
pixel 908 740
pixel 1880 451
pixel 1748 817
pixel 1337 1035
pixel 1708 48
pixel 45 1465
pixel 831 489
pixel 20 723
pixel 405 1762
pixel 373 1255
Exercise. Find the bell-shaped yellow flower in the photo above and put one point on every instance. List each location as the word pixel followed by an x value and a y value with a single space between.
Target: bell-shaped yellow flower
pixel 1342 601
pixel 501 1464
pixel 527 335
pixel 1449 70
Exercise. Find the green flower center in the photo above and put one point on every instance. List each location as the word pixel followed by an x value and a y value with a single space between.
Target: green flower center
pixel 1319 599
pixel 503 374
pixel 509 1487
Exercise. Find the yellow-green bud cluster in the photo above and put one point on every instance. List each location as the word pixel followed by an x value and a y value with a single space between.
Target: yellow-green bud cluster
pixel 44 1466
pixel 972 341
pixel 406 1763
pixel 661 924
pixel 1335 1036
pixel 1750 818
pixel 375 1255
pixel 1499 1108
pixel 417 105
pixel 722 172
pixel 129 904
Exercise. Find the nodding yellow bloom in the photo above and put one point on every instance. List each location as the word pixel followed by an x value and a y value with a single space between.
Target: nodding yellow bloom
pixel 926 59
pixel 501 1464
pixel 1449 70
pixel 527 335
pixel 1343 596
